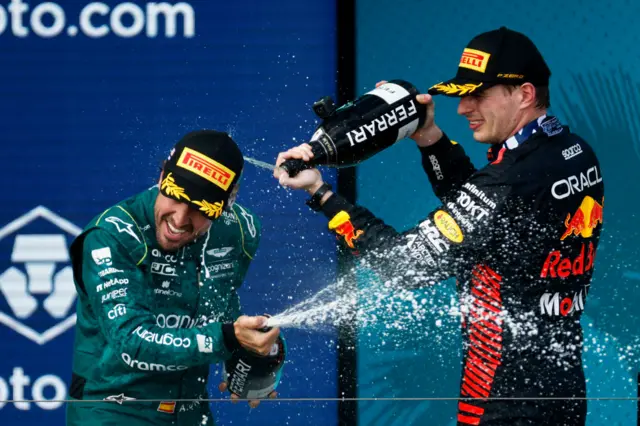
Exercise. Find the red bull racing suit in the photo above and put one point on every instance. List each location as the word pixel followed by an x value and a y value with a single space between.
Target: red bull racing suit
pixel 520 235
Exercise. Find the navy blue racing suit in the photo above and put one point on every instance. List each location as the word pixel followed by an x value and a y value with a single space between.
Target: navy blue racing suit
pixel 520 236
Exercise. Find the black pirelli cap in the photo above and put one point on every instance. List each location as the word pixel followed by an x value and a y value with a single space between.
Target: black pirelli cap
pixel 501 56
pixel 202 169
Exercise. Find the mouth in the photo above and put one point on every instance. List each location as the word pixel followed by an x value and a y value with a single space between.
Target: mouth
pixel 173 233
pixel 475 124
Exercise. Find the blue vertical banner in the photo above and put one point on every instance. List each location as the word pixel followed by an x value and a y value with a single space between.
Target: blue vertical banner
pixel 595 91
pixel 94 94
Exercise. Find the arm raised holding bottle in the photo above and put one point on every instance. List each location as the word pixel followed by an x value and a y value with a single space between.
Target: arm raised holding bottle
pixel 392 253
pixel 362 128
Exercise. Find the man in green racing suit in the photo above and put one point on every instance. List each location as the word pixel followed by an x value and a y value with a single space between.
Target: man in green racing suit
pixel 156 277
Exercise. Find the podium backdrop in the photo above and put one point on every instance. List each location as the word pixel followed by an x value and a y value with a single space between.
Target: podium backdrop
pixel 93 97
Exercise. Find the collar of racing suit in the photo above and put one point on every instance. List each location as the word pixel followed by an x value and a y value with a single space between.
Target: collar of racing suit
pixel 548 124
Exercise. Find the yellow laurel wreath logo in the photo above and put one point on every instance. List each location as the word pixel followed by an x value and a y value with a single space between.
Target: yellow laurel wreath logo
pixel 212 210
pixel 456 89
pixel 169 186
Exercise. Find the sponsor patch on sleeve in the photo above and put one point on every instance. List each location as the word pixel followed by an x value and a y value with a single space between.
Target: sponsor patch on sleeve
pixel 205 343
pixel 341 225
pixel 102 256
pixel 448 226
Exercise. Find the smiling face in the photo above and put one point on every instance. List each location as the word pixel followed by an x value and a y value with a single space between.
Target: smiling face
pixel 498 112
pixel 177 223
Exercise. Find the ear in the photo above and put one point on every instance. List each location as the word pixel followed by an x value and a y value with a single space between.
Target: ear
pixel 160 179
pixel 528 91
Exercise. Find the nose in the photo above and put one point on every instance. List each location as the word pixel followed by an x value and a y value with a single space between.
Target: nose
pixel 181 215
pixel 466 105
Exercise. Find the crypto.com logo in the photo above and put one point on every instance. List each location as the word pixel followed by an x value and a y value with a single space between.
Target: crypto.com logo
pixel 38 254
pixel 22 18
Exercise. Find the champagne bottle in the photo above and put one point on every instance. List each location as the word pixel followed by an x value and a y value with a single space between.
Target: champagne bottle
pixel 362 128
pixel 250 375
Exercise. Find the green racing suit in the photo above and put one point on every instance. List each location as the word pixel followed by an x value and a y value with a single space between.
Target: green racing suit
pixel 150 322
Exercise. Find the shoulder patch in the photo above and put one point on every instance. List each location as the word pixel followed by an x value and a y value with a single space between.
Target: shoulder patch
pixel 122 226
pixel 248 219
pixel 118 220
pixel 249 226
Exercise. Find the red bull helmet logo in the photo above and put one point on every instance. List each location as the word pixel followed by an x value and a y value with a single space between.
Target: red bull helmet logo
pixel 341 225
pixel 585 219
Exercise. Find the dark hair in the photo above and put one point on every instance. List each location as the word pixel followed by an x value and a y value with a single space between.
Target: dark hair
pixel 543 98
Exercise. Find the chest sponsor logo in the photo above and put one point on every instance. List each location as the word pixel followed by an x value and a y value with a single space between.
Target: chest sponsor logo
pixel 115 294
pixel 118 311
pixel 111 283
pixel 220 252
pixel 165 269
pixel 166 339
pixel 553 304
pixel 585 219
pixel 481 195
pixel 220 267
pixel 471 206
pixel 178 321
pixel 560 266
pixel 165 257
pixel 146 366
pixel 576 184
pixel 448 226
pixel 122 226
pixel 572 151
pixel 166 290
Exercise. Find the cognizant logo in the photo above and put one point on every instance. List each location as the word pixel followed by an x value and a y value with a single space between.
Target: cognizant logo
pixel 97 19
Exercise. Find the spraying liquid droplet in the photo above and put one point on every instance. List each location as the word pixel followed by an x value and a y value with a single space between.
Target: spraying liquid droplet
pixel 259 163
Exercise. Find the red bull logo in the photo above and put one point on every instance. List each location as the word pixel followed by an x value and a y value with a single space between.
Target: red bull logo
pixel 341 225
pixel 561 266
pixel 585 219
